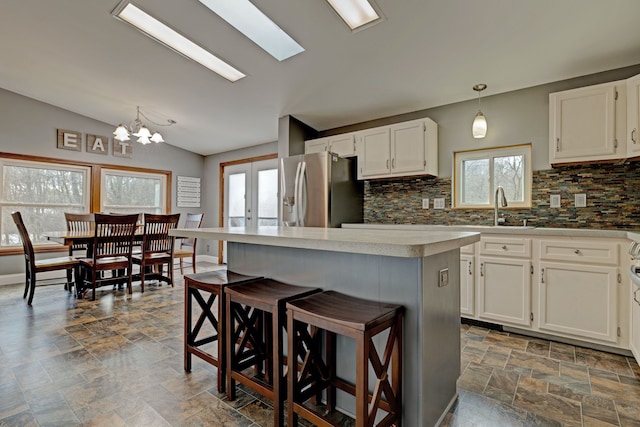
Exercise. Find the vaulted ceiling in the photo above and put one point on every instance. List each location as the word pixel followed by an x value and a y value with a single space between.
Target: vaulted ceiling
pixel 73 54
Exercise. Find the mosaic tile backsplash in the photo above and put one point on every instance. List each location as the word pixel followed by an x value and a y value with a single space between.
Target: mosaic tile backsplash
pixel 612 189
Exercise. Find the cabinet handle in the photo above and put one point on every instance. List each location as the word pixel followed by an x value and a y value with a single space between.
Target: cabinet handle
pixel 393 163
pixel 482 269
pixel 387 164
pixel 542 275
pixel 635 297
pixel 470 272
pixel 557 145
pixel 577 252
pixel 634 135
pixel 504 247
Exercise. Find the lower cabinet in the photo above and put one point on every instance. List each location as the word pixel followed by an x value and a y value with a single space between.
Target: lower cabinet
pixel 579 300
pixel 635 321
pixel 504 290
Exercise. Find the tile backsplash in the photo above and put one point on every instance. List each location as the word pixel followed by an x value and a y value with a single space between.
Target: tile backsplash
pixel 612 192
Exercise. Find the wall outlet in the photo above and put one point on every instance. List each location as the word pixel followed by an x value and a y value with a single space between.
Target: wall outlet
pixel 438 203
pixel 555 201
pixel 581 200
pixel 425 203
pixel 443 279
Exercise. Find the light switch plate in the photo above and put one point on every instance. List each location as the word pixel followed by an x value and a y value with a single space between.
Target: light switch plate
pixel 555 200
pixel 438 203
pixel 425 203
pixel 581 200
pixel 443 279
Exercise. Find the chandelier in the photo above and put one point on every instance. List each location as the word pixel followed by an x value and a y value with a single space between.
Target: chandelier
pixel 138 129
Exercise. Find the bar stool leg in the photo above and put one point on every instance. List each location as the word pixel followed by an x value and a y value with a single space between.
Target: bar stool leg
pixel 276 368
pixel 229 332
pixel 362 376
pixel 187 327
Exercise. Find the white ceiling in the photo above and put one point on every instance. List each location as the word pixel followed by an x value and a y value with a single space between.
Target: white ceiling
pixel 427 53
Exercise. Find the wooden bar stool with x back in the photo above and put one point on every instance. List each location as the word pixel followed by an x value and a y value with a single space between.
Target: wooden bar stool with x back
pixel 198 335
pixel 254 326
pixel 360 320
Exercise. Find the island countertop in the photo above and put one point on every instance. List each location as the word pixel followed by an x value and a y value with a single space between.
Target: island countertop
pixel 407 244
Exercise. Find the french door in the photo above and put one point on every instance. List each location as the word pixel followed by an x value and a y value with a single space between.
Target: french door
pixel 250 194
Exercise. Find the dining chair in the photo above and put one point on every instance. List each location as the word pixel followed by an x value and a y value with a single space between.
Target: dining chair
pixel 34 266
pixel 157 248
pixel 112 245
pixel 187 247
pixel 81 223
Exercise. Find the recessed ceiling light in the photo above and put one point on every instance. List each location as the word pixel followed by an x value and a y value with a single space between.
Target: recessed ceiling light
pixel 161 33
pixel 250 21
pixel 356 13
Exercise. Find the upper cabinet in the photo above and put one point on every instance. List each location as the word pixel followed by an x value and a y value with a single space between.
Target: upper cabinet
pixel 403 149
pixel 588 124
pixel 633 116
pixel 342 145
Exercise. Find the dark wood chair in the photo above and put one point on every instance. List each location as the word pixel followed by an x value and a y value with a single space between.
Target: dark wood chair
pixel 157 248
pixel 78 223
pixel 33 266
pixel 112 245
pixel 187 247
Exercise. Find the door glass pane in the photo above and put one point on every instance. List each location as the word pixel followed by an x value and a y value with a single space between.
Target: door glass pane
pixel 237 199
pixel 475 181
pixel 508 172
pixel 268 197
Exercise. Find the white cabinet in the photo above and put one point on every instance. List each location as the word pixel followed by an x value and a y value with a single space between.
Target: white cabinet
pixel 467 281
pixel 504 284
pixel 578 288
pixel 343 145
pixel 402 149
pixel 588 124
pixel 635 321
pixel 633 116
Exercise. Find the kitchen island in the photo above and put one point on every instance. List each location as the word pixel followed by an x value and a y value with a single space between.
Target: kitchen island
pixel 419 270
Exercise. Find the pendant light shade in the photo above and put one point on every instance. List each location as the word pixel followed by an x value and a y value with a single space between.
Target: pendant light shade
pixel 479 127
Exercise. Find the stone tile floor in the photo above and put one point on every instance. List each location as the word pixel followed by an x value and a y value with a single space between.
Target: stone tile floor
pixel 117 361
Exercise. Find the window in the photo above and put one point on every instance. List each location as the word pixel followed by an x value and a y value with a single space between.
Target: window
pixel 478 173
pixel 132 192
pixel 42 192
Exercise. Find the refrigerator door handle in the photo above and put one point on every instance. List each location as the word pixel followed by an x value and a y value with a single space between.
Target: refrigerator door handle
pixel 295 202
pixel 301 208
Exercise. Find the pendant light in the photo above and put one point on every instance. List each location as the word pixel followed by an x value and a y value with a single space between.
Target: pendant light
pixel 479 128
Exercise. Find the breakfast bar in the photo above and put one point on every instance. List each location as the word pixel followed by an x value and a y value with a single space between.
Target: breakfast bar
pixel 419 270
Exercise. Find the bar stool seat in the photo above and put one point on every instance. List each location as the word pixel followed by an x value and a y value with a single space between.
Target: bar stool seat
pixel 214 283
pixel 335 313
pixel 255 322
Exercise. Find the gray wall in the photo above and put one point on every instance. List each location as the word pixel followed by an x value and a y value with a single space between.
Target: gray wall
pixel 517 117
pixel 28 126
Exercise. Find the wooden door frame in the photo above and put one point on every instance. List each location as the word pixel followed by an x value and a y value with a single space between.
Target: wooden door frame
pixel 221 189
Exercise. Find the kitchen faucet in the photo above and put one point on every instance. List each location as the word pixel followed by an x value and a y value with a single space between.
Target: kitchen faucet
pixel 503 203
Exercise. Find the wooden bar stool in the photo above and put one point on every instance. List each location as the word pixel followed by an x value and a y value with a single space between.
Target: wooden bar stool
pixel 213 282
pixel 255 321
pixel 361 320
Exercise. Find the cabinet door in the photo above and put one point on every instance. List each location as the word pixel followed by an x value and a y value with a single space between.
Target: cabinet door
pixel 579 300
pixel 408 151
pixel 635 321
pixel 583 124
pixel 342 145
pixel 316 145
pixel 633 116
pixel 373 159
pixel 504 290
pixel 467 283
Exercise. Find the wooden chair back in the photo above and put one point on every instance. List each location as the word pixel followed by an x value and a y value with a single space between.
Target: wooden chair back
pixel 29 253
pixel 156 237
pixel 113 235
pixel 79 223
pixel 193 221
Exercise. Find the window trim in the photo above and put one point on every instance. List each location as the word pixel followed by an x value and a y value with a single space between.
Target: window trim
pixel 95 189
pixel 456 182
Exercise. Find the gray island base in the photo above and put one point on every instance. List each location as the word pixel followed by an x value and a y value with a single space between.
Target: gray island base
pixel 389 266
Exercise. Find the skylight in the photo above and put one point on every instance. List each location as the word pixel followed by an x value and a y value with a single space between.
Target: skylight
pixel 250 21
pixel 161 33
pixel 355 13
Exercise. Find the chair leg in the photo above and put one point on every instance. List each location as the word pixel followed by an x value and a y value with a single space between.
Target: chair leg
pixel 193 261
pixel 170 272
pixel 182 267
pixel 32 286
pixel 26 282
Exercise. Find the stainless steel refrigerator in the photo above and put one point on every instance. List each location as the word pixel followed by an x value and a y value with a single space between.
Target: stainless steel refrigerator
pixel 320 190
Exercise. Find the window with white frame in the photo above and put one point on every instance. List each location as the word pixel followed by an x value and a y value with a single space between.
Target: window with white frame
pixel 42 192
pixel 478 173
pixel 132 192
